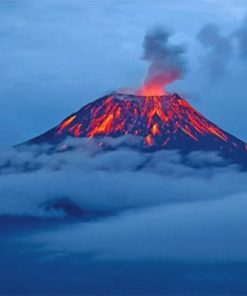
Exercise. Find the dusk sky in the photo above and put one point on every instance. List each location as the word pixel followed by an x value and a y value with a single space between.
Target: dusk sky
pixel 129 195
pixel 55 56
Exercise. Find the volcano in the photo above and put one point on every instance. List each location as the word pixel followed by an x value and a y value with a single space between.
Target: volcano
pixel 161 122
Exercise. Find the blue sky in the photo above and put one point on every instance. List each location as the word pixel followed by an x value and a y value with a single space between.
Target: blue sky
pixel 55 56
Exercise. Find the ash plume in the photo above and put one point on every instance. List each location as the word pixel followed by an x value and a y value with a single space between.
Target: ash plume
pixel 241 36
pixel 167 61
pixel 219 51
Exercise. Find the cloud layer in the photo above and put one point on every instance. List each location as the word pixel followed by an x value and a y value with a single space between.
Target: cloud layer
pixel 207 231
pixel 148 205
pixel 109 181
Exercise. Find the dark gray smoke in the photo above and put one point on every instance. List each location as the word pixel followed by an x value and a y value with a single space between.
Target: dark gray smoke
pixel 167 62
pixel 219 51
pixel 241 37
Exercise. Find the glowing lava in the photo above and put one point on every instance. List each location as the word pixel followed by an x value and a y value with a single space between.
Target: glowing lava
pixel 151 90
pixel 160 121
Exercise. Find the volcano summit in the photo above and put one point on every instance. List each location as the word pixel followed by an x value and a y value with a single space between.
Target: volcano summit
pixel 162 122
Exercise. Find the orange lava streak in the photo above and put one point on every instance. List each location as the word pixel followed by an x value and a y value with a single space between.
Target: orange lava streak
pixel 155 129
pixel 101 124
pixel 158 119
pixel 120 126
pixel 153 106
pixel 203 127
pixel 65 123
pixel 149 140
pixel 183 103
pixel 188 132
pixel 103 128
pixel 118 113
pixel 217 132
pixel 77 130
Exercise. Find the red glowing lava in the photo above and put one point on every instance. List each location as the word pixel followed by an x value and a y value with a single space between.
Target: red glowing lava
pixel 157 79
pixel 151 90
pixel 159 119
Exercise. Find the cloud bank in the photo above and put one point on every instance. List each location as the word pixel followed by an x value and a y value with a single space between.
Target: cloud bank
pixel 207 231
pixel 34 182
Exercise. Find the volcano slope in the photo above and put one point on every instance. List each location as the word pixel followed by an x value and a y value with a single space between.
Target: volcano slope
pixel 161 122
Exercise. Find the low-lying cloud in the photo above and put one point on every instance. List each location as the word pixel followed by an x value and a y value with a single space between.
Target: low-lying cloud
pixel 211 231
pixel 158 206
pixel 110 181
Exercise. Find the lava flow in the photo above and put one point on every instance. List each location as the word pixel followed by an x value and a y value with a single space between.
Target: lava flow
pixel 161 121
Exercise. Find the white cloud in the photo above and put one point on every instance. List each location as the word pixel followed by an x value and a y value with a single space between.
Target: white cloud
pixel 156 206
pixel 110 180
pixel 205 231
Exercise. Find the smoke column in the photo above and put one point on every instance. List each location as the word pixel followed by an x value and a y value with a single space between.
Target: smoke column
pixel 167 62
pixel 219 51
